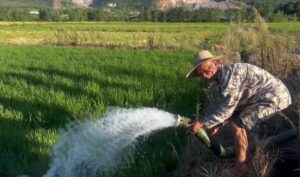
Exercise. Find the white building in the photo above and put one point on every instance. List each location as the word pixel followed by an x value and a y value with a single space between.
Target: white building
pixel 34 12
pixel 112 5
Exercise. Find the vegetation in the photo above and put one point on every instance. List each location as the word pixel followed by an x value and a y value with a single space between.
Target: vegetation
pixel 43 88
pixel 273 52
pixel 26 3
pixel 187 36
pixel 144 10
pixel 179 14
pixel 15 4
pixel 258 45
pixel 130 35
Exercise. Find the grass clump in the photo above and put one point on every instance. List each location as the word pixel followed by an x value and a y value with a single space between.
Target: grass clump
pixel 258 45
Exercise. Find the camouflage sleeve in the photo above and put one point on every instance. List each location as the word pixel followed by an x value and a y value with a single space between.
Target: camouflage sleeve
pixel 230 96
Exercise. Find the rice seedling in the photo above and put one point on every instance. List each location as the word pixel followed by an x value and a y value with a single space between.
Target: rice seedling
pixel 44 88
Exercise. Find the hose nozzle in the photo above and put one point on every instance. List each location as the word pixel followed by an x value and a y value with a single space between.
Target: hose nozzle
pixel 182 121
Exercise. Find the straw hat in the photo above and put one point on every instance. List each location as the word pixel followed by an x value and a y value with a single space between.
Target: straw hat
pixel 201 57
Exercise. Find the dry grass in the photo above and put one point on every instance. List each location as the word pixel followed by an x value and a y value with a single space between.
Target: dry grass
pixel 261 165
pixel 263 161
pixel 257 45
pixel 211 171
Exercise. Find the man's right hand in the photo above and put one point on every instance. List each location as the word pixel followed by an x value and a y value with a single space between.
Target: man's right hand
pixel 194 127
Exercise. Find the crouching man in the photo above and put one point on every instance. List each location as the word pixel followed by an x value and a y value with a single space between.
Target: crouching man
pixel 249 95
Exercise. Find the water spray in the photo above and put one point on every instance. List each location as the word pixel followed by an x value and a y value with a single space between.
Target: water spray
pixel 95 146
pixel 92 147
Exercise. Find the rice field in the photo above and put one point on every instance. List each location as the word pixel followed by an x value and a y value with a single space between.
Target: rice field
pixel 44 88
pixel 59 79
pixel 110 34
pixel 181 36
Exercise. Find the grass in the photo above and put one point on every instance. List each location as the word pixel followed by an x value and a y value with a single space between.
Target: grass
pixel 113 26
pixel 43 88
pixel 150 159
pixel 182 36
pixel 187 36
pixel 135 26
pixel 293 27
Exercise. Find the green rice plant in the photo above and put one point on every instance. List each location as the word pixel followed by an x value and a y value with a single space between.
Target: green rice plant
pixel 129 35
pixel 43 88
pixel 151 41
pixel 150 159
pixel 183 36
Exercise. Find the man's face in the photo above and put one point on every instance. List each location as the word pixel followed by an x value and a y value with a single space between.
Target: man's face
pixel 208 70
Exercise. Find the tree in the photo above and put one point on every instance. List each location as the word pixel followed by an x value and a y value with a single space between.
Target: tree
pixel 21 15
pixel 44 15
pixel 77 14
pixel 265 8
pixel 279 17
pixel 92 15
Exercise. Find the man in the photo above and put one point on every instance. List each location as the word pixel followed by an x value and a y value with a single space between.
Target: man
pixel 249 95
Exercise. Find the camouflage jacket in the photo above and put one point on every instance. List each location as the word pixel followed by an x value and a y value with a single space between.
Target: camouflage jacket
pixel 244 84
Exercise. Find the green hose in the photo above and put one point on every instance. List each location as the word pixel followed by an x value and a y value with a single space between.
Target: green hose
pixel 214 145
pixel 226 152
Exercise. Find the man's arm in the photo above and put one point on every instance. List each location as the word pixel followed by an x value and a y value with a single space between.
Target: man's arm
pixel 231 94
pixel 230 99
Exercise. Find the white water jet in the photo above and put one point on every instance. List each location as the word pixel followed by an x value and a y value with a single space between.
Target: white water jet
pixel 86 149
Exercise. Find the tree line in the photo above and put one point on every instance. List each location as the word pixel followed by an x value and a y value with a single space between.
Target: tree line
pixel 283 12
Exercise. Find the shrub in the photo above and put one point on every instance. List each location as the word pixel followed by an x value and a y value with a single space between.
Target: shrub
pixel 257 45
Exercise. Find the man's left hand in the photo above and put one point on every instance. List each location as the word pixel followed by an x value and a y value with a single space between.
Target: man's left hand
pixel 194 127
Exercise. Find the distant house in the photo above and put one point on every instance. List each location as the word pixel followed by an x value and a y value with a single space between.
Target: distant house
pixel 112 5
pixel 34 12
